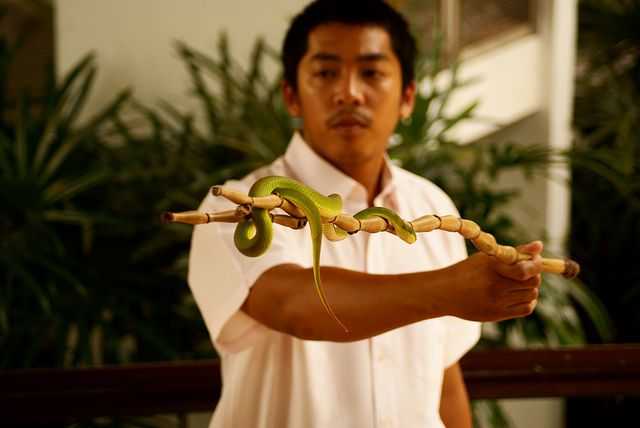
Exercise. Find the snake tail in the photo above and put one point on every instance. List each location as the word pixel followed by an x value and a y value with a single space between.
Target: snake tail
pixel 314 219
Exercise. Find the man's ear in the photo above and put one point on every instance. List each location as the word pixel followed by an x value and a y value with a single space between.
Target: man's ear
pixel 408 100
pixel 291 99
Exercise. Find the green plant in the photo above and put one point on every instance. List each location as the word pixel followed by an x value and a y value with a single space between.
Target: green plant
pixel 606 158
pixel 243 114
pixel 87 276
pixel 170 165
pixel 41 149
pixel 605 168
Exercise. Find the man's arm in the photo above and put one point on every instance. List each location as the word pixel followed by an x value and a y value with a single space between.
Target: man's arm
pixel 455 411
pixel 478 288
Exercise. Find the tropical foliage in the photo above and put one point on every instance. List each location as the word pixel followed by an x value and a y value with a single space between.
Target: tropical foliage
pixel 87 274
pixel 44 155
pixel 606 179
pixel 606 158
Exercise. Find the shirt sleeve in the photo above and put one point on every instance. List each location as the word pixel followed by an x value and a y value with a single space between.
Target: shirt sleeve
pixel 220 278
pixel 460 337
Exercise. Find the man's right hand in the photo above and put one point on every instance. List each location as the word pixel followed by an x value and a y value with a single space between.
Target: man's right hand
pixel 484 289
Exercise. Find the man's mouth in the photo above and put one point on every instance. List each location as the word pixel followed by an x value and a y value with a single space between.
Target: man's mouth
pixel 349 119
pixel 348 123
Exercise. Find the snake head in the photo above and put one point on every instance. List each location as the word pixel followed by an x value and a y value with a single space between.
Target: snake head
pixel 408 234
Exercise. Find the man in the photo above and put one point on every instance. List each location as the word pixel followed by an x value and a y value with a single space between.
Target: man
pixel 412 310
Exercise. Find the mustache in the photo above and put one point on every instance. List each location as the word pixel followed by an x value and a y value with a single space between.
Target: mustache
pixel 354 114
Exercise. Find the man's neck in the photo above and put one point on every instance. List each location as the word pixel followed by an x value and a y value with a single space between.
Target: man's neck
pixel 366 171
pixel 368 174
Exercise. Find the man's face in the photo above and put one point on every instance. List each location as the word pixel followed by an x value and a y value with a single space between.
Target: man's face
pixel 349 93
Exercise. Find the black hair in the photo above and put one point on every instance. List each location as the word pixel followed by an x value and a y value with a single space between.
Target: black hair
pixel 356 12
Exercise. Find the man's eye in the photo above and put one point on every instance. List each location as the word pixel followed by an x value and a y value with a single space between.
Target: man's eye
pixel 325 73
pixel 371 73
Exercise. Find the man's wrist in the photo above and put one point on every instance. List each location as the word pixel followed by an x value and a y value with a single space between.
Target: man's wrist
pixel 430 298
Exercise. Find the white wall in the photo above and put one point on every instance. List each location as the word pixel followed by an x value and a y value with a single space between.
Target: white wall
pixel 506 82
pixel 134 39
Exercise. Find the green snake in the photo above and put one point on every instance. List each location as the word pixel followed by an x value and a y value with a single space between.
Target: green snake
pixel 253 235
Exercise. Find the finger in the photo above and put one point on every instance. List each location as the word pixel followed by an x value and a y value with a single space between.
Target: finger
pixel 522 309
pixel 521 297
pixel 528 284
pixel 520 271
pixel 533 248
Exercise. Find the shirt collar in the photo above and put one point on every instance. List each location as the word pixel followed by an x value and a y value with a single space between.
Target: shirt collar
pixel 308 167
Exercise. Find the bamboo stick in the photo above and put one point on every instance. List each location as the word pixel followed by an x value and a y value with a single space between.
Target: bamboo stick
pixel 231 216
pixel 197 217
pixel 346 223
pixel 267 202
pixel 483 241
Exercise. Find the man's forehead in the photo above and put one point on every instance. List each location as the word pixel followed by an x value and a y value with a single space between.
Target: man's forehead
pixel 346 41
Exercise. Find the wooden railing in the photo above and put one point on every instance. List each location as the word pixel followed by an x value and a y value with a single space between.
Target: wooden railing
pixel 48 395
pixel 562 372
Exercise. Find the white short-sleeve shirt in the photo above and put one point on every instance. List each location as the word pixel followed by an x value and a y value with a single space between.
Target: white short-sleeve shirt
pixel 271 379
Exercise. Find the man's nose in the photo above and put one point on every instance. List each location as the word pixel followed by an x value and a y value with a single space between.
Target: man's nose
pixel 349 90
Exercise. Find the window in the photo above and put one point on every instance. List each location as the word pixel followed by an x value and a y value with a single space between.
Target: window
pixel 488 22
pixel 469 26
pixel 501 51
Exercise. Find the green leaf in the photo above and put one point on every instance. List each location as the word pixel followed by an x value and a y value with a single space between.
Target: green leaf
pixel 66 189
pixel 56 119
pixel 598 313
pixel 59 156
pixel 21 150
pixel 5 156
